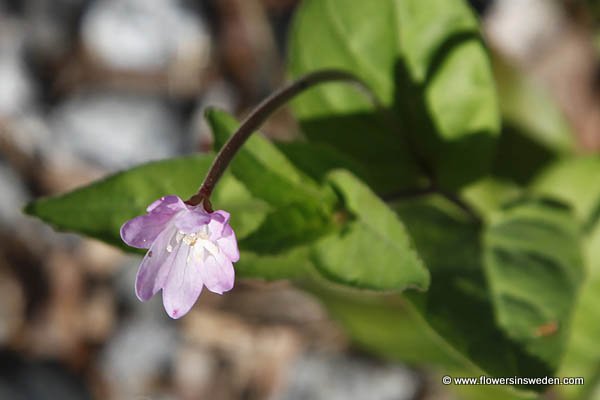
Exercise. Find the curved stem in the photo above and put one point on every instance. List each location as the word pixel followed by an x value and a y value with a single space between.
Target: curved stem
pixel 259 115
pixel 275 101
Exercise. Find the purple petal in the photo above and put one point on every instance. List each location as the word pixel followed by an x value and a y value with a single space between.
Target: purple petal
pixel 165 203
pixel 217 273
pixel 218 220
pixel 154 267
pixel 183 285
pixel 191 221
pixel 141 231
pixel 228 244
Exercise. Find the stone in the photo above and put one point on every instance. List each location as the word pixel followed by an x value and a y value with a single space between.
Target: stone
pixel 116 130
pixel 143 35
pixel 347 377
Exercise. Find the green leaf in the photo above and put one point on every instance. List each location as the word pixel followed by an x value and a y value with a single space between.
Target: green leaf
pixel 574 180
pixel 457 305
pixel 99 210
pixel 264 170
pixel 247 212
pixel 372 250
pixel 451 325
pixel 292 264
pixel 426 63
pixel 582 356
pixel 534 265
pixel 287 227
pixel 488 195
pixel 390 327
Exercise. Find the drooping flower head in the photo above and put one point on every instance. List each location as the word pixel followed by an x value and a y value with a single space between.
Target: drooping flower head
pixel 188 248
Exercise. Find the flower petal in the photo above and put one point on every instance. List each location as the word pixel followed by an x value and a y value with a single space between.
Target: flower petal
pixel 228 244
pixel 217 273
pixel 183 285
pixel 167 203
pixel 218 221
pixel 154 267
pixel 141 231
pixel 191 221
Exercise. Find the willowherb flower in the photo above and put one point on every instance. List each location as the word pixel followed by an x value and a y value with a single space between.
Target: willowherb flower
pixel 188 248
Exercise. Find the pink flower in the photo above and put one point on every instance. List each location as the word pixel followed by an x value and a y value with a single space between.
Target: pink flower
pixel 188 248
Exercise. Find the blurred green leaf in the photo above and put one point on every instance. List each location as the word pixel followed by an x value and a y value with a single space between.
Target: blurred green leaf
pixel 452 325
pixel 582 356
pixel 372 250
pixel 488 195
pixel 99 210
pixel 292 264
pixel 425 61
pixel 534 266
pixel 390 327
pixel 534 130
pixel 534 137
pixel 528 109
pixel 458 305
pixel 575 181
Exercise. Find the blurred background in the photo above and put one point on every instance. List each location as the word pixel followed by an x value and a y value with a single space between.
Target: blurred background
pixel 90 87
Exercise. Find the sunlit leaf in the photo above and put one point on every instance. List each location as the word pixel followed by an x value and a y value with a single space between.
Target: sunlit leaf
pixel 372 250
pixel 426 63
